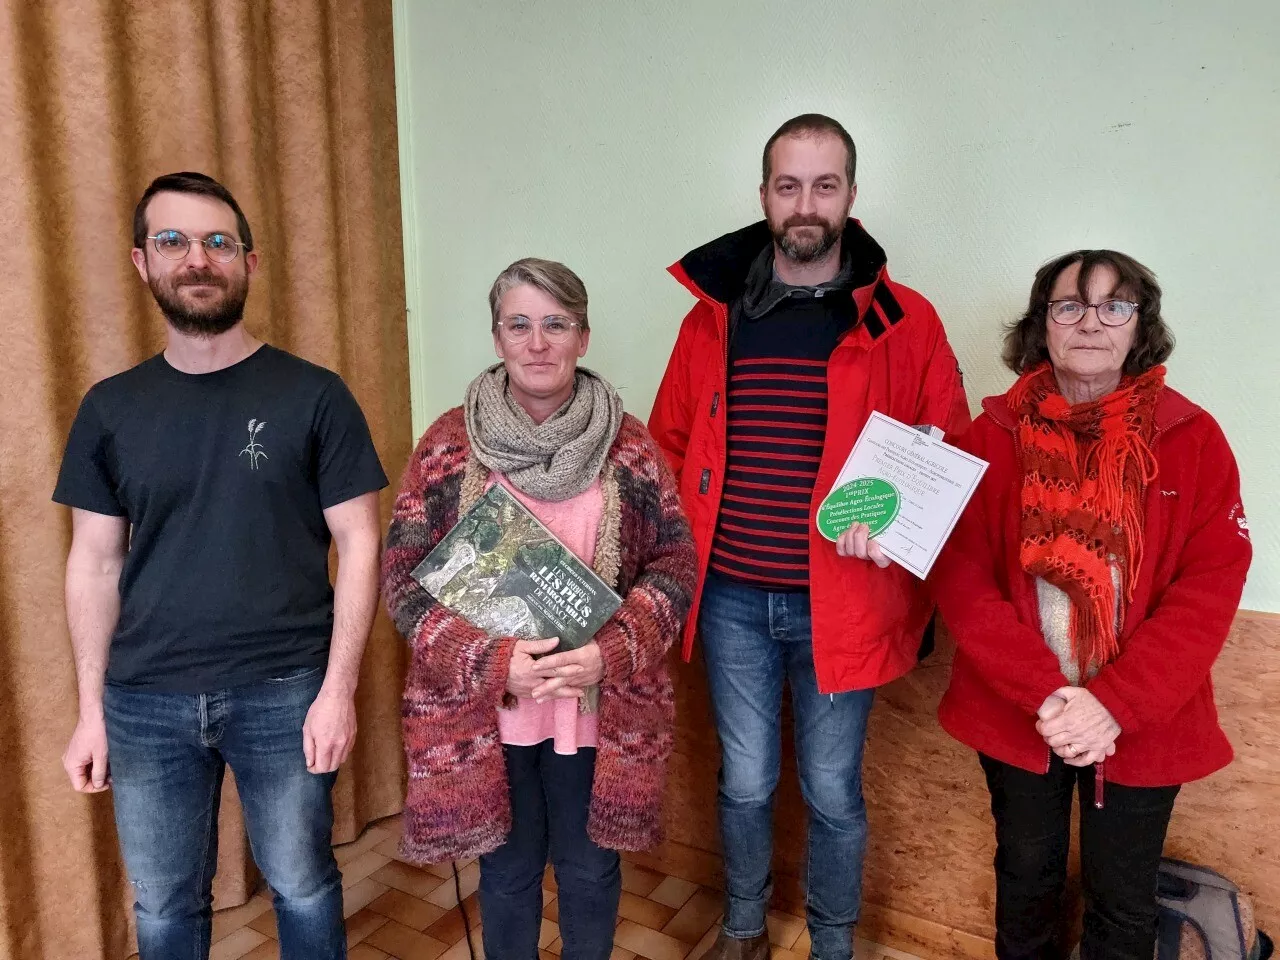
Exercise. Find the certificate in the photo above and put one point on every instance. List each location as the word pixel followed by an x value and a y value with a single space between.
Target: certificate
pixel 907 485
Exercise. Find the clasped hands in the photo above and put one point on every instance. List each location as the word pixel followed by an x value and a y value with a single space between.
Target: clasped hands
pixel 1077 727
pixel 553 676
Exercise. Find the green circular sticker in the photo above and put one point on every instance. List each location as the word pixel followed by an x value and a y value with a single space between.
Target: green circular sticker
pixel 868 500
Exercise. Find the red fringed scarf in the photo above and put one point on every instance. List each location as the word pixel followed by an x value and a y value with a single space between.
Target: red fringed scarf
pixel 1085 471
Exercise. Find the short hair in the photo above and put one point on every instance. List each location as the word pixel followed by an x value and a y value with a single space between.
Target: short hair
pixel 554 279
pixel 1025 340
pixel 188 182
pixel 812 125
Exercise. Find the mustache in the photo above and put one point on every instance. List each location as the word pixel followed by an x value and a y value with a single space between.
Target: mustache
pixel 200 278
pixel 802 220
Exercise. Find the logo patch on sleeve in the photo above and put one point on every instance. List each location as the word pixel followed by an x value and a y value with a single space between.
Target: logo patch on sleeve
pixel 1242 523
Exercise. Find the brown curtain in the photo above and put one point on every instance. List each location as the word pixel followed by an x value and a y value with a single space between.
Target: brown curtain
pixel 291 103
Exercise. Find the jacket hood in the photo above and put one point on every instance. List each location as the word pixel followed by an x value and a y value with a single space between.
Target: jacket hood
pixel 718 270
pixel 717 273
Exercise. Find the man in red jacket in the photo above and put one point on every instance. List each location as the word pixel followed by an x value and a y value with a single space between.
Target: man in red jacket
pixel 797 335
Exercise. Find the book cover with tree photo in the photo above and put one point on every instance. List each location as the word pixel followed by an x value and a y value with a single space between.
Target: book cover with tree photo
pixel 508 575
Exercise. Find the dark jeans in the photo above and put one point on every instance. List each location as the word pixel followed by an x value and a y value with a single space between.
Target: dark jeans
pixel 168 753
pixel 1120 849
pixel 550 797
pixel 754 641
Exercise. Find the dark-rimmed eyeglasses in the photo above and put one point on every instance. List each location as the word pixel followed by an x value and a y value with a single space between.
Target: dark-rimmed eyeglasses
pixel 1111 313
pixel 555 329
pixel 175 245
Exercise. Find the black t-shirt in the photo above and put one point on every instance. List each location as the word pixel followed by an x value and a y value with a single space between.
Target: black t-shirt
pixel 224 478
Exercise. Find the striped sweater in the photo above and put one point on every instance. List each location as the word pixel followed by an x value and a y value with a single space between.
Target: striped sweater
pixel 776 412
pixel 458 804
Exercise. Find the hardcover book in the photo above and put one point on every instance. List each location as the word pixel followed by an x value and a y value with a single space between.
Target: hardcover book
pixel 508 575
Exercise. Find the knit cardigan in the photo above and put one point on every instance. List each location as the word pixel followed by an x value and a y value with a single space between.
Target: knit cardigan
pixel 458 803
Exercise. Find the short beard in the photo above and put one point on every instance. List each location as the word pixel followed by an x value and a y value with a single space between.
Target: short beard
pixel 807 251
pixel 205 320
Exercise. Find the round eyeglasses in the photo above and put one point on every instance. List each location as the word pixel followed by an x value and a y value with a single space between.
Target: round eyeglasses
pixel 555 329
pixel 1111 313
pixel 175 245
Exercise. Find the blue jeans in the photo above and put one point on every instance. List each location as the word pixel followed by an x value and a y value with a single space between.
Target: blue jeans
pixel 550 797
pixel 753 641
pixel 168 753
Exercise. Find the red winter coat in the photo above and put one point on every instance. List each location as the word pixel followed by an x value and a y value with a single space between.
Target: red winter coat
pixel 867 622
pixel 1196 552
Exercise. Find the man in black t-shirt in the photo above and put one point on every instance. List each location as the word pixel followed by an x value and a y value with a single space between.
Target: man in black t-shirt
pixel 206 485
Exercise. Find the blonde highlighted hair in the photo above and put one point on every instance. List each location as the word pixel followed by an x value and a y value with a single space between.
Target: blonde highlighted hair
pixel 554 279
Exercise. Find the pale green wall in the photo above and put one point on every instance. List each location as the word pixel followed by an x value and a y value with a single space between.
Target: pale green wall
pixel 992 136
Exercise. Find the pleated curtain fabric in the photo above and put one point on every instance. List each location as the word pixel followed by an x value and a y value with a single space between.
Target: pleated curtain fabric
pixel 291 103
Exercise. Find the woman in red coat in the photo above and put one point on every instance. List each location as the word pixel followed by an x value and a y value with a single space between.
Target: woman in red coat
pixel 1090 586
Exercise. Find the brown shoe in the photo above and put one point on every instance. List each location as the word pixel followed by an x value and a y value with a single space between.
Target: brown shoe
pixel 731 948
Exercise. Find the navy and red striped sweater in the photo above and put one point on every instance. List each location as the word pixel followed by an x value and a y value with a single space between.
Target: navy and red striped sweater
pixel 777 420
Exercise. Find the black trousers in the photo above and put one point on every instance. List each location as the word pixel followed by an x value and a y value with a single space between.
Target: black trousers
pixel 1120 849
pixel 550 802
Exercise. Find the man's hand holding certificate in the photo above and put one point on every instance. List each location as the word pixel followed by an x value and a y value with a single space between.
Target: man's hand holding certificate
pixel 907 486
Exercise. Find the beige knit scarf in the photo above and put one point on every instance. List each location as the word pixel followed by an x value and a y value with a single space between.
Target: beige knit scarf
pixel 553 460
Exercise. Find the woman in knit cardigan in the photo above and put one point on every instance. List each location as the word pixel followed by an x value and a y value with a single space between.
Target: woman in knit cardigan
pixel 1090 586
pixel 507 761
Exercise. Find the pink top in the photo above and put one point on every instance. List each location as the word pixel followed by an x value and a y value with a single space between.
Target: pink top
pixel 575 523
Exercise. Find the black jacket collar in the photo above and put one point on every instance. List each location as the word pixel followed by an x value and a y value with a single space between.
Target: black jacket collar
pixel 720 269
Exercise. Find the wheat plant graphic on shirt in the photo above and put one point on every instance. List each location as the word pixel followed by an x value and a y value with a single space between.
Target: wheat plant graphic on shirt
pixel 255 449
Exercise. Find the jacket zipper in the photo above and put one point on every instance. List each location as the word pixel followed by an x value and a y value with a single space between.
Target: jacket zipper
pixel 704 481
